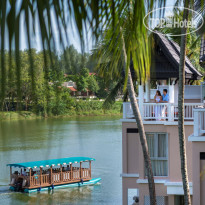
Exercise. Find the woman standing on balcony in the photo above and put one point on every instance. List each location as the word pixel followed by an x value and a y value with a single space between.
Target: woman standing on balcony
pixel 158 99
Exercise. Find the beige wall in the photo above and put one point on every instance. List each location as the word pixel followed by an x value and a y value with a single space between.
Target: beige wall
pixel 143 191
pixel 133 161
pixel 128 183
pixel 198 183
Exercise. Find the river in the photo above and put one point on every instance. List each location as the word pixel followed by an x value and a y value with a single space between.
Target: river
pixel 32 140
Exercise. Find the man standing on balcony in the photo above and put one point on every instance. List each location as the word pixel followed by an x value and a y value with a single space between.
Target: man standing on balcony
pixel 165 99
pixel 165 96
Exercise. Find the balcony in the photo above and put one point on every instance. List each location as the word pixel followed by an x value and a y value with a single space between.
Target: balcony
pixel 199 122
pixel 169 111
pixel 151 111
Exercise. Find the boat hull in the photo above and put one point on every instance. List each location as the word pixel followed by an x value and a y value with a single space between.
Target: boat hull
pixel 71 185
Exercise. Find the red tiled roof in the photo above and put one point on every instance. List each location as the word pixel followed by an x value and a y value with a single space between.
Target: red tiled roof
pixel 72 88
pixel 92 73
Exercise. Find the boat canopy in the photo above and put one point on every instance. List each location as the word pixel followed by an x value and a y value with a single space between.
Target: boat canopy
pixel 51 162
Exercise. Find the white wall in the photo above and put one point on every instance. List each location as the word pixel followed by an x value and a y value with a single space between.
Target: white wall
pixel 192 92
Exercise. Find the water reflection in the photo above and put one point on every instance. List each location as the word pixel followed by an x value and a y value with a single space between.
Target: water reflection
pixel 95 137
pixel 64 196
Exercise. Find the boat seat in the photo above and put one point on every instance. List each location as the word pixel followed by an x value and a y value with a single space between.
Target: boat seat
pixel 12 181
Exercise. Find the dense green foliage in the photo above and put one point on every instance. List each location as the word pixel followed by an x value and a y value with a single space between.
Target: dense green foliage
pixel 74 108
pixel 41 86
pixel 72 61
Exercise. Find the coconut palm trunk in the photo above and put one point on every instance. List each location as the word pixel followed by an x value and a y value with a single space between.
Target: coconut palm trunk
pixel 182 140
pixel 143 139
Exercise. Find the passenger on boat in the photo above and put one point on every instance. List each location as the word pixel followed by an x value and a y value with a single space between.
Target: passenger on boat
pixel 66 168
pixel 24 172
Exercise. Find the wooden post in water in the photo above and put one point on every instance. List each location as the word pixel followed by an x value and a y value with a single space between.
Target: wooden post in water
pixel 30 177
pixel 40 175
pixel 71 171
pixel 51 175
pixel 90 168
pixel 80 170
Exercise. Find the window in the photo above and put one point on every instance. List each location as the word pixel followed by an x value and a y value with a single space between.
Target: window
pixel 158 149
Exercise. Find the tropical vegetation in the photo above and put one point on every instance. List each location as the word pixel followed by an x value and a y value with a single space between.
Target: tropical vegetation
pixel 60 99
pixel 126 40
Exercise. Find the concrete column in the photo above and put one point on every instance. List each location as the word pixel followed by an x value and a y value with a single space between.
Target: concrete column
pixel 170 199
pixel 171 93
pixel 171 100
pixel 124 194
pixel 147 89
pixel 196 180
pixel 141 99
pixel 196 123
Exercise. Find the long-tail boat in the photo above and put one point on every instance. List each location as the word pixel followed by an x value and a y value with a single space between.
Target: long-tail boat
pixel 51 174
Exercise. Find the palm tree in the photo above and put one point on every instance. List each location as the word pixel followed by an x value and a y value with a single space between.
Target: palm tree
pixel 50 19
pixel 140 126
pixel 115 52
pixel 183 51
pixel 182 139
pixel 130 36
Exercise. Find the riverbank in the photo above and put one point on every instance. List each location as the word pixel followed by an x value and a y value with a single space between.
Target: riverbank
pixel 81 109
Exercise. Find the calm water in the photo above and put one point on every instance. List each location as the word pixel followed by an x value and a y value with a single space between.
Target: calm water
pixel 97 137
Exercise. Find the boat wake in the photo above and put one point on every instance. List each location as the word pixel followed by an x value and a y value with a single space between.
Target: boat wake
pixel 4 190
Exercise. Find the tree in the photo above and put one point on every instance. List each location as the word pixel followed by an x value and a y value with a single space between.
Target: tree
pixel 93 84
pixel 84 72
pixel 82 80
pixel 182 139
pixel 70 60
pixel 116 51
pixel 81 83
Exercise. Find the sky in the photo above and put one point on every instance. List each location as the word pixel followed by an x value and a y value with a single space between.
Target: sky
pixel 72 35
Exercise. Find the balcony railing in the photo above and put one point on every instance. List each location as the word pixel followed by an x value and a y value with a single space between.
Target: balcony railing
pixel 168 111
pixel 74 175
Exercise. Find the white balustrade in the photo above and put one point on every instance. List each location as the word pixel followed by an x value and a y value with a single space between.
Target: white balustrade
pixel 199 121
pixel 127 110
pixel 156 110
pixel 168 111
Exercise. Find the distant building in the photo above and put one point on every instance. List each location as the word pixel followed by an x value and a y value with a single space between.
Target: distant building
pixel 86 94
pixel 92 73
pixel 78 94
pixel 69 84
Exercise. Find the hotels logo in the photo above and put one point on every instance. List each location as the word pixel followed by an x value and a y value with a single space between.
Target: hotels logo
pixel 154 20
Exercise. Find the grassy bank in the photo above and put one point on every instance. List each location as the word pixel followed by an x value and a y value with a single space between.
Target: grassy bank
pixel 81 108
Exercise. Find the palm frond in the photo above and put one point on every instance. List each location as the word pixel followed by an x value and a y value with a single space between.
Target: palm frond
pixel 41 18
pixel 110 99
